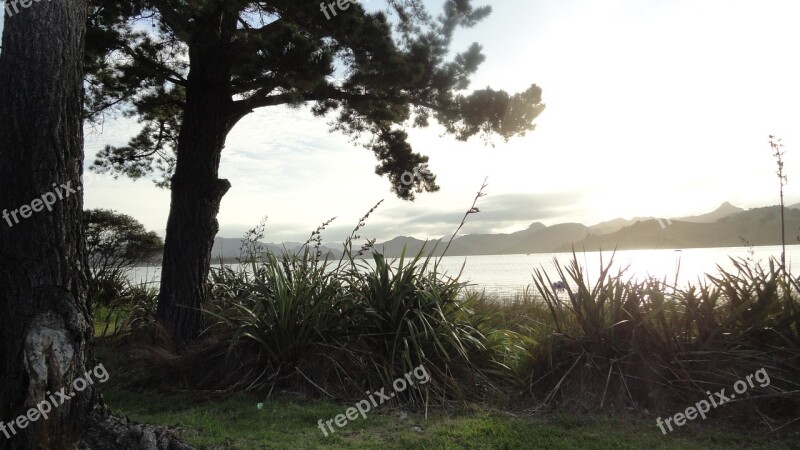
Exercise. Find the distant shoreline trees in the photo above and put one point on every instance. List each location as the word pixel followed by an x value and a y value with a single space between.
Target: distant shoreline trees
pixel 114 244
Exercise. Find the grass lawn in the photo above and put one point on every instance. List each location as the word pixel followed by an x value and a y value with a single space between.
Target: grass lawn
pixel 237 423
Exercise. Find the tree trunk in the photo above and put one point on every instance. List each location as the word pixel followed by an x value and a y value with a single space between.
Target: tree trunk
pixel 196 189
pixel 45 324
pixel 45 317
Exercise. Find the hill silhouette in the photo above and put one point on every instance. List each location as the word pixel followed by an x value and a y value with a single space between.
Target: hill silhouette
pixel 726 226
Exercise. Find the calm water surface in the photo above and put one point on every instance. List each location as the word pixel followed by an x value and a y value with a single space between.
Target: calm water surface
pixel 509 274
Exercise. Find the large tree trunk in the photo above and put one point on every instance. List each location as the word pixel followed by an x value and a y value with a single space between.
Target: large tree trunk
pixel 45 317
pixel 196 189
pixel 45 324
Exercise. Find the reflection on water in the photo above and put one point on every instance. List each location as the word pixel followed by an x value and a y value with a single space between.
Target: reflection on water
pixel 512 273
pixel 509 274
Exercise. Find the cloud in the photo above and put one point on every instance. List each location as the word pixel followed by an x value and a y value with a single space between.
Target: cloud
pixel 646 126
pixel 499 213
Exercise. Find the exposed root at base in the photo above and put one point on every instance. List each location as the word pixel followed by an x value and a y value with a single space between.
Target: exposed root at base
pixel 105 431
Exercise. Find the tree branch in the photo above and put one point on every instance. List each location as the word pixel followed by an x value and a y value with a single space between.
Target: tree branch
pixel 327 93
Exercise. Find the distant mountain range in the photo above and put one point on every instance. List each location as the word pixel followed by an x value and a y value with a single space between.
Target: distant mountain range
pixel 726 226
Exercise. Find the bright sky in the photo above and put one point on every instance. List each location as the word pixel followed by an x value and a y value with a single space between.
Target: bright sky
pixel 654 108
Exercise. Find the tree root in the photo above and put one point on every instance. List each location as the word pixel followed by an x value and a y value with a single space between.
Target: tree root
pixel 104 431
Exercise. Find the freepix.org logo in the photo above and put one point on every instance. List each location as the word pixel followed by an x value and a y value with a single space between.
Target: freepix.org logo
pixel 12 6
pixel 47 200
pixel 407 178
pixel 55 400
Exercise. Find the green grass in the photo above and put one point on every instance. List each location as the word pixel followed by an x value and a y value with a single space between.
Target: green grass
pixel 603 356
pixel 237 423
pixel 108 320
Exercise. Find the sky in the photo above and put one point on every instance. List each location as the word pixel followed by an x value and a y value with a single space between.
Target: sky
pixel 654 108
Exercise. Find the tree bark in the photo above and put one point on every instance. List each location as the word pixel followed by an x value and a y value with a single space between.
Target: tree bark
pixel 45 324
pixel 45 317
pixel 196 189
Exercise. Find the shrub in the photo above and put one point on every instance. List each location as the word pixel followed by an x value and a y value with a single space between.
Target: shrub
pixel 132 308
pixel 408 316
pixel 645 344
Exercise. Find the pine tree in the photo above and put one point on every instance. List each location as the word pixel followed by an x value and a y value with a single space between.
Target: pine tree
pixel 48 398
pixel 201 66
pixel 45 324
